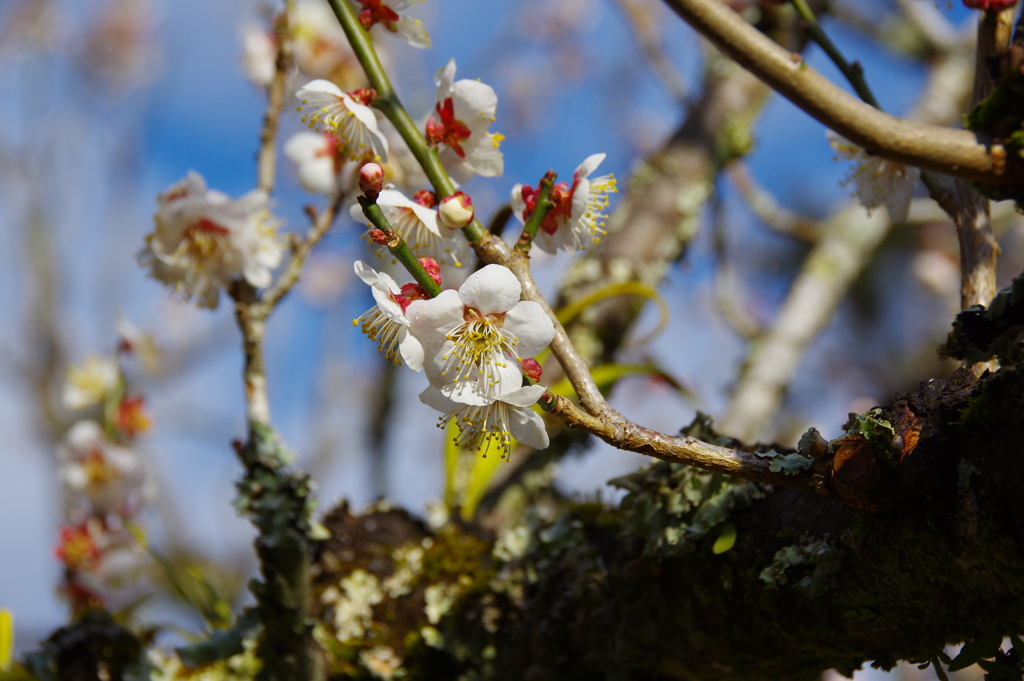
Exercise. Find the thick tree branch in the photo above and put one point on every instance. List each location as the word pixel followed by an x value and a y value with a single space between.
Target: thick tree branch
pixel 954 152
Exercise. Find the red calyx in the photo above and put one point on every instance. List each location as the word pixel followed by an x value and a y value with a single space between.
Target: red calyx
pixel 410 292
pixel 532 368
pixel 364 95
pixel 446 129
pixel 989 5
pixel 375 11
pixel 561 205
pixel 432 268
pixel 425 198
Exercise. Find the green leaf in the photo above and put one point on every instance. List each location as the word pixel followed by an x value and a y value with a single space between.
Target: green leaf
pixel 726 540
pixel 451 463
pixel 484 469
pixel 984 647
pixel 6 638
pixel 628 288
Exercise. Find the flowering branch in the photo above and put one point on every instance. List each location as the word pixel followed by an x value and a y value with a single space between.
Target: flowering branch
pixel 954 152
pixel 397 246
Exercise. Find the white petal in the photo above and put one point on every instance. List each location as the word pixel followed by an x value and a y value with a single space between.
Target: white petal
pixel 474 103
pixel 531 326
pixel 527 426
pixel 369 275
pixel 318 88
pixel 433 398
pixel 411 350
pixel 430 320
pixel 589 165
pixel 84 436
pixel 305 145
pixel 493 289
pixel 412 31
pixel 898 200
pixel 443 79
pixel 486 159
pixel 525 396
pixel 518 205
pixel 317 175
pixel 508 380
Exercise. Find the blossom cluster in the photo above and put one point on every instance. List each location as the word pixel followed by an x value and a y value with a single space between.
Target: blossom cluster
pixel 472 345
pixel 102 472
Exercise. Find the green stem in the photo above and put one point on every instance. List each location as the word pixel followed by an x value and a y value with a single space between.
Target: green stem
pixel 388 103
pixel 540 211
pixel 396 244
pixel 853 72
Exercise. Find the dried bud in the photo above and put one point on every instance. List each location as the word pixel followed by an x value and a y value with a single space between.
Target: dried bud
pixel 425 198
pixel 990 5
pixel 455 211
pixel 378 236
pixel 432 268
pixel 532 368
pixel 371 180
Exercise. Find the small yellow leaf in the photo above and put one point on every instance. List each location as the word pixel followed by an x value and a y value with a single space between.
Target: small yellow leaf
pixel 726 540
pixel 451 463
pixel 484 469
pixel 6 638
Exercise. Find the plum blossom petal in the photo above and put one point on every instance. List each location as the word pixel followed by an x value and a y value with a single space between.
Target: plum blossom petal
pixel 110 478
pixel 386 322
pixel 418 226
pixel 464 111
pixel 531 326
pixel 346 116
pixel 203 240
pixel 90 382
pixel 259 54
pixel 493 424
pixel 491 290
pixel 879 181
pixel 316 160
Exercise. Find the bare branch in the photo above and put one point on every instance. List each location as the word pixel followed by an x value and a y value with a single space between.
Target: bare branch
pixel 955 152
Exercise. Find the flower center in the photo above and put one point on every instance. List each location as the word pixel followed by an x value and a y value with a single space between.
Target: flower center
pixel 481 428
pixel 97 469
pixel 205 239
pixel 447 129
pixel 481 348
pixel 76 548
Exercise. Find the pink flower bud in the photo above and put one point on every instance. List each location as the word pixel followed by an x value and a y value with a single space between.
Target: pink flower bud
pixel 455 211
pixel 432 268
pixel 425 198
pixel 371 179
pixel 532 368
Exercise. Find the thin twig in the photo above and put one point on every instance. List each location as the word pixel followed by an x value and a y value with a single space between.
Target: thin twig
pixel 650 44
pixel 767 209
pixel 944 150
pixel 266 158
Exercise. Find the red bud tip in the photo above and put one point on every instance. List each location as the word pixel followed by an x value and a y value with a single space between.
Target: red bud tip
pixel 532 368
pixel 378 237
pixel 455 211
pixel 425 198
pixel 432 268
pixel 371 180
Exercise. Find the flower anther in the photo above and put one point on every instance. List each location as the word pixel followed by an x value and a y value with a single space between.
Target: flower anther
pixel 386 322
pixel 347 115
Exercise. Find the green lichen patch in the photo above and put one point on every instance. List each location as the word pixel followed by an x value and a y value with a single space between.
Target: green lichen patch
pixel 980 334
pixel 820 562
pixel 879 432
pixel 790 464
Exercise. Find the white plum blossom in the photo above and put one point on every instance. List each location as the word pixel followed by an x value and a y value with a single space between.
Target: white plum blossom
pixel 494 424
pixel 101 553
pixel 133 341
pixel 203 240
pixel 90 382
pixel 347 116
pixel 316 159
pixel 879 181
pixel 387 13
pixel 415 220
pixel 474 337
pixel 320 46
pixel 386 321
pixel 576 213
pixel 465 110
pixel 259 54
pixel 110 477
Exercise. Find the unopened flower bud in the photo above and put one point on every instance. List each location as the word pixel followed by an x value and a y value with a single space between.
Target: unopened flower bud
pixel 371 180
pixel 532 368
pixel 455 211
pixel 432 268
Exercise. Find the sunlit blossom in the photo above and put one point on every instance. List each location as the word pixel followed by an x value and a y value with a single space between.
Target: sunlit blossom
pixel 317 160
pixel 320 47
pixel 576 214
pixel 415 220
pixel 388 13
pixel 109 477
pixel 494 424
pixel 134 342
pixel 203 240
pixel 475 336
pixel 879 181
pixel 89 383
pixel 259 54
pixel 386 322
pixel 347 116
pixel 102 554
pixel 465 110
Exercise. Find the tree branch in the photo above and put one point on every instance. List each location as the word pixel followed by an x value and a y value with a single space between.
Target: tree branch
pixel 954 152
